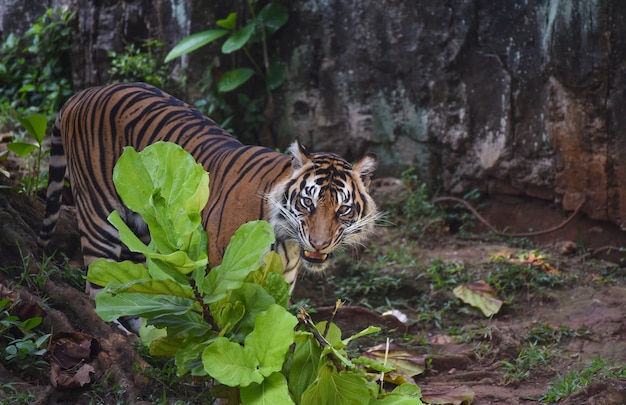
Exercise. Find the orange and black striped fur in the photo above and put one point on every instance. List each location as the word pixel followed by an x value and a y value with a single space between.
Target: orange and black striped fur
pixel 316 202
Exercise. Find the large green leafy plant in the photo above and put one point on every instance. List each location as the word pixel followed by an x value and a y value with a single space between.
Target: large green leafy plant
pixel 229 323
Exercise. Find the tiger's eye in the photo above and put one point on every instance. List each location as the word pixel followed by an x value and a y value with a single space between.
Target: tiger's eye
pixel 344 210
pixel 307 202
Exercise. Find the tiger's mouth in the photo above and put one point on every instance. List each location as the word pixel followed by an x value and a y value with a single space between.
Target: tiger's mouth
pixel 313 256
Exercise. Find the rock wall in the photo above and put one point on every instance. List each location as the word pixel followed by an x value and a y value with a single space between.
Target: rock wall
pixel 521 98
pixel 511 97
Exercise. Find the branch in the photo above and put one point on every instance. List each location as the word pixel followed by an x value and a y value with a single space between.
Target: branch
pixel 497 232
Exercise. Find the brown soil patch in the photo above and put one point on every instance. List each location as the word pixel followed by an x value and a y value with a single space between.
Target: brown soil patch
pixel 593 298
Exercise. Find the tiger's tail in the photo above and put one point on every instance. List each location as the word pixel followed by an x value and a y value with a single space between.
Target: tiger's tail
pixel 56 177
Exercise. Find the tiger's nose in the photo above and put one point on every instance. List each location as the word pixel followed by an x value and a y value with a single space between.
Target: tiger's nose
pixel 319 245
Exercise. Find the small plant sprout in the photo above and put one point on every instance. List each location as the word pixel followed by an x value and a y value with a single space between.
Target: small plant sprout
pixel 35 126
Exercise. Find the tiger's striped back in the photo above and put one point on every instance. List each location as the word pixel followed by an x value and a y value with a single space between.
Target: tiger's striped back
pixel 96 124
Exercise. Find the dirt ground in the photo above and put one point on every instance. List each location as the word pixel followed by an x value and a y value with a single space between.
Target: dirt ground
pixel 470 363
pixel 592 299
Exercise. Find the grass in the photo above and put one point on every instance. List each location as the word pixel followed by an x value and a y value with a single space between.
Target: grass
pixel 49 269
pixel 369 282
pixel 445 274
pixel 542 333
pixel 598 369
pixel 530 357
pixel 168 386
pixel 16 393
pixel 528 271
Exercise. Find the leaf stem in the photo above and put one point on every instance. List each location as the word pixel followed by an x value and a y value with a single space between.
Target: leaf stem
pixel 206 312
pixel 305 319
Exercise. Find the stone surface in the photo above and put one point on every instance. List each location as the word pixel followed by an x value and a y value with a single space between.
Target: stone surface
pixel 521 98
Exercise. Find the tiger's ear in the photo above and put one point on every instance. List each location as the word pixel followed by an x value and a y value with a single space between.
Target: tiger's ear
pixel 300 155
pixel 365 168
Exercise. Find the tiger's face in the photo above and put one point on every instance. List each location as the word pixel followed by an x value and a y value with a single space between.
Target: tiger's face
pixel 324 205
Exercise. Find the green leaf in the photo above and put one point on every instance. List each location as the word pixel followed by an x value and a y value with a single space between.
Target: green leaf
pixel 333 335
pixel 229 22
pixel 273 16
pixel 168 200
pixel 127 276
pixel 158 342
pixel 102 272
pixel 305 365
pixel 234 78
pixel 243 255
pixel 278 288
pixel 160 266
pixel 231 364
pixel 31 323
pixel 332 388
pixel 255 300
pixel 271 338
pixel 479 294
pixel 35 125
pixel 189 356
pixel 111 307
pixel 405 394
pixel 238 39
pixel 227 315
pixel 193 42
pixel 368 331
pixel 272 391
pixel 21 149
pixel 163 287
pixel 189 324
pixel 275 75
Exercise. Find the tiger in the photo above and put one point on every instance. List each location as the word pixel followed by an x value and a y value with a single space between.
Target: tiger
pixel 316 203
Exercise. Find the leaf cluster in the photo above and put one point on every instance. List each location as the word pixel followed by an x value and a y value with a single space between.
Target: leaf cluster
pixel 231 323
pixel 35 69
pixel 139 64
pixel 20 347
pixel 35 126
pixel 244 39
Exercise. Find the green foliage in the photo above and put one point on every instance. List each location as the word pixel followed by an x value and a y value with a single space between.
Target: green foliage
pixel 417 205
pixel 245 43
pixel 168 385
pixel 543 333
pixel 35 71
pixel 35 126
pixel 232 323
pixel 446 274
pixel 598 369
pixel 16 392
pixel 419 216
pixel 527 272
pixel 21 349
pixel 34 280
pixel 139 64
pixel 530 357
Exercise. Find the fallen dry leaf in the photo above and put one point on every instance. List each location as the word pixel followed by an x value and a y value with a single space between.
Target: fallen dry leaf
pixel 71 349
pixel 479 294
pixel 18 307
pixel 462 395
pixel 406 363
pixel 440 339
